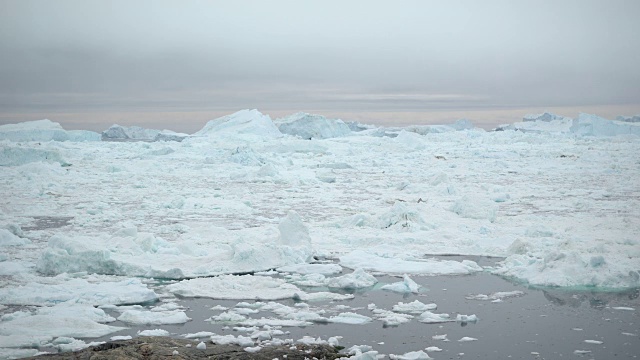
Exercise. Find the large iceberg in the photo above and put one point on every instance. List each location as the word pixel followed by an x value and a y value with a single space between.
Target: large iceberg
pixel 136 133
pixel 44 130
pixel 244 122
pixel 592 125
pixel 311 126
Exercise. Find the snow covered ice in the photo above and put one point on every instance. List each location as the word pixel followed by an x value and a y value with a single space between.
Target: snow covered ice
pixel 304 209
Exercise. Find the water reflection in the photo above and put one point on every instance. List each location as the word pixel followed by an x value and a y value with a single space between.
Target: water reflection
pixel 595 299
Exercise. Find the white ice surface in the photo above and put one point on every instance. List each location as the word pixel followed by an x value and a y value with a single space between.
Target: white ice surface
pixel 372 262
pixel 310 126
pixel 560 206
pixel 44 130
pixel 406 286
pixel 126 291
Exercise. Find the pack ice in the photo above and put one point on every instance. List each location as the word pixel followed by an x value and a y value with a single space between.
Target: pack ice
pixel 304 208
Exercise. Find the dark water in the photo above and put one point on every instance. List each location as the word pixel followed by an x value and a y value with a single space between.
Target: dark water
pixel 542 324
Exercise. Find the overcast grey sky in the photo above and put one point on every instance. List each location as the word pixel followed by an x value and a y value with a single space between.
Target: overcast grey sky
pixel 176 64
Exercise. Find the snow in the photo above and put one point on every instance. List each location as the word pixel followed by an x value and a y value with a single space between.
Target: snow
pixel 310 126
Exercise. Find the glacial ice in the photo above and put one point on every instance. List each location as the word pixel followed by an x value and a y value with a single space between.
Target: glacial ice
pixel 241 123
pixel 310 126
pixel 406 286
pixel 44 130
pixel 557 199
pixel 20 155
pixel 127 291
pixel 372 262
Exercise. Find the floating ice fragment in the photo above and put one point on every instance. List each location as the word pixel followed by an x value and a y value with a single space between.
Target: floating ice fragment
pixel 405 286
pixel 412 355
pixel 431 318
pixel 350 318
pixel 597 342
pixel 201 346
pixel 414 307
pixel 466 338
pixel 154 332
pixel 355 280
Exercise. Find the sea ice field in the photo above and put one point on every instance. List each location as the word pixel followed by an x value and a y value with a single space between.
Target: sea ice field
pixel 417 242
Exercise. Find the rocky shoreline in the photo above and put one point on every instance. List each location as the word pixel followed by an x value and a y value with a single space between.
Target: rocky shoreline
pixel 158 347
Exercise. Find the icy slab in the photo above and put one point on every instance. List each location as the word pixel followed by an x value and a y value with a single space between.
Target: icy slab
pixel 355 280
pixel 154 332
pixel 475 207
pixel 592 125
pixel 310 126
pixel 406 286
pixel 7 238
pixel 350 318
pixel 244 122
pixel 129 253
pixel 390 318
pixel 412 355
pixel 117 132
pixel 414 307
pixel 247 287
pixel 9 353
pixel 44 130
pixel 496 295
pixel 305 269
pixel 240 340
pixel 575 264
pixel 432 318
pixel 137 317
pixel 128 291
pixel 56 325
pixel 21 341
pixel 19 155
pixel 467 339
pixel 372 262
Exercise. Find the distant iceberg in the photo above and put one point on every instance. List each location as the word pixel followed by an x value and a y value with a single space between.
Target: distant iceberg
pixel 243 122
pixel 137 133
pixel 44 130
pixel 583 125
pixel 310 126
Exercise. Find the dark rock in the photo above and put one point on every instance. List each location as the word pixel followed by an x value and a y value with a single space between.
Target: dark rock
pixel 158 347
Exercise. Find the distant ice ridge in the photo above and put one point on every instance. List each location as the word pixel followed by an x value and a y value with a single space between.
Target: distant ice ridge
pixel 583 125
pixel 44 130
pixel 310 126
pixel 137 133
pixel 633 119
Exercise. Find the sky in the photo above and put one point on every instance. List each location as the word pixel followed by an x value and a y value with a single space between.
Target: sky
pixel 177 64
